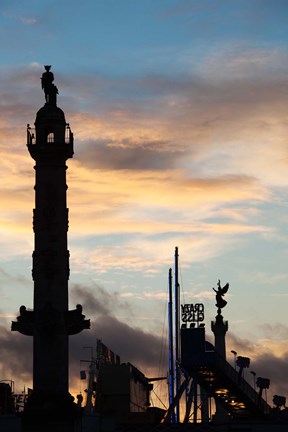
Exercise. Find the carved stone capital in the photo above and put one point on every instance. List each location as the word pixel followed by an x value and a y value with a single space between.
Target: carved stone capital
pixel 76 322
pixel 25 323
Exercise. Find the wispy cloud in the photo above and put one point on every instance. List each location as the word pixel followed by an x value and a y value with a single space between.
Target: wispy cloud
pixel 28 20
pixel 193 154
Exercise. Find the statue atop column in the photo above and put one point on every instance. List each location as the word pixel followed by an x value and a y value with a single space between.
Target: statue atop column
pixel 49 88
pixel 220 292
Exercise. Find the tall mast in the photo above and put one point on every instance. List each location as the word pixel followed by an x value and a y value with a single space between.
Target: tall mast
pixel 171 351
pixel 177 327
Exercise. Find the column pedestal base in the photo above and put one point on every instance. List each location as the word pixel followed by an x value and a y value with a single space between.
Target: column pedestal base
pixel 48 412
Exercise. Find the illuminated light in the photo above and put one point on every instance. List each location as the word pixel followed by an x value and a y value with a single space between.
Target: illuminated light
pixel 222 391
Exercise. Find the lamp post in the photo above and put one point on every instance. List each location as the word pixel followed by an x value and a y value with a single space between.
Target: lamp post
pixel 254 379
pixel 235 357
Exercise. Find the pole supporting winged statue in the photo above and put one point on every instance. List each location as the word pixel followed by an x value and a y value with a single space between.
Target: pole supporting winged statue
pixel 220 292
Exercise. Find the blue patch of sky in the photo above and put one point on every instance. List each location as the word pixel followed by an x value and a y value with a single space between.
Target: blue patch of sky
pixel 92 241
pixel 134 37
pixel 254 253
pixel 258 218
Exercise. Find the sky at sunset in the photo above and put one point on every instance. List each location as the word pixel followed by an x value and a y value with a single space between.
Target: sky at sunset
pixel 179 110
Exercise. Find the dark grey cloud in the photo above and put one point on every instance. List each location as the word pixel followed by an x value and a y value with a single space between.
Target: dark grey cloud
pixel 188 112
pixel 239 344
pixel 267 365
pixel 132 344
pixel 276 369
pixel 230 76
pixel 20 97
pixel 232 88
pixel 275 331
pixel 95 300
pixel 16 355
pixel 106 154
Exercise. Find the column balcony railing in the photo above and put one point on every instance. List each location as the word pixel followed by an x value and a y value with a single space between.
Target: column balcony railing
pixel 31 136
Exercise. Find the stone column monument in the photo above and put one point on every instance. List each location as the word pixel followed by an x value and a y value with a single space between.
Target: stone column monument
pixel 219 327
pixel 50 144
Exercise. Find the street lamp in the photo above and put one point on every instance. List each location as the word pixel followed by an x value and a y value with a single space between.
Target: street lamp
pixel 243 363
pixel 263 384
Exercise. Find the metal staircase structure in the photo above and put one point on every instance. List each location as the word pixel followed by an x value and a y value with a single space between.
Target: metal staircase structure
pixel 220 380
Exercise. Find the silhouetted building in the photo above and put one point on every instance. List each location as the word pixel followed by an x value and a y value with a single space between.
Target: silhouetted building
pixel 6 399
pixel 123 392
